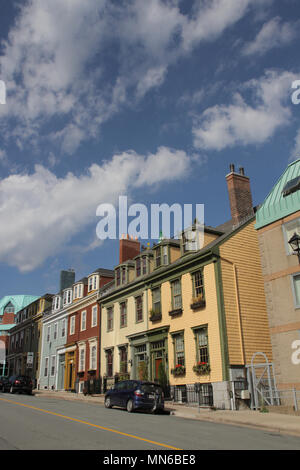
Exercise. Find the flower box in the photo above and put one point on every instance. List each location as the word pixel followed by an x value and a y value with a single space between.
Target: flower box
pixel 155 316
pixel 178 370
pixel 197 304
pixel 202 368
pixel 175 311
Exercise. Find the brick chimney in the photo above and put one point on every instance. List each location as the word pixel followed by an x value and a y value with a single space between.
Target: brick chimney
pixel 129 248
pixel 240 197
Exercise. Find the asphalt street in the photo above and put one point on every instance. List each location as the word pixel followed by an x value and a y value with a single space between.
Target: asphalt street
pixel 40 423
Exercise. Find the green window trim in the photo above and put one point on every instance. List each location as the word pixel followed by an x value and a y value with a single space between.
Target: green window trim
pixel 125 315
pixel 158 289
pixel 197 330
pixel 175 336
pixel 177 294
pixel 200 285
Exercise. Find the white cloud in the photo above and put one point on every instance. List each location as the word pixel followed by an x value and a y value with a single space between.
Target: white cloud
pixel 55 68
pixel 295 154
pixel 242 123
pixel 43 211
pixel 274 33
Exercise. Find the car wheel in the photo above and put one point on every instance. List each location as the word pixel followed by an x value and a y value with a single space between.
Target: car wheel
pixel 107 403
pixel 11 390
pixel 130 406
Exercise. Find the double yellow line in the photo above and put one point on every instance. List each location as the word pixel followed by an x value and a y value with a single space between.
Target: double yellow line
pixel 90 424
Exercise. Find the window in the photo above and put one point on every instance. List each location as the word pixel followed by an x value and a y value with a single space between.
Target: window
pixel 69 296
pixel 165 254
pixel 123 360
pixel 55 331
pixel 109 363
pixel 52 366
pixel 46 366
pixel 93 356
pixel 65 297
pixel 94 315
pixel 118 276
pixel 48 333
pixel 202 345
pixel 75 292
pixel 190 240
pixel 198 286
pixel 144 265
pixel 296 290
pixel 83 321
pixel 123 314
pixel 110 319
pixel 72 325
pixel 156 300
pixel 176 294
pixel 81 359
pixel 57 303
pixel 157 257
pixel 9 308
pixel 179 349
pixel 123 275
pixel 63 328
pixel 139 308
pixel 95 283
pixel 90 284
pixel 138 266
pixel 289 229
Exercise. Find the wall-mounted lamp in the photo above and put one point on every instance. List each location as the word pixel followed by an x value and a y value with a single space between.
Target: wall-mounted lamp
pixel 294 242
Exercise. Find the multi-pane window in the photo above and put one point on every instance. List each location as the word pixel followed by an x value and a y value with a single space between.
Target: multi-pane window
pixel 82 359
pixel 55 331
pixel 138 266
pixel 123 314
pixel 95 283
pixel 139 308
pixel 109 363
pixel 156 300
pixel 198 285
pixel 179 350
pixel 52 366
pixel 123 275
pixel 93 357
pixel 176 294
pixel 83 321
pixel 69 296
pixel 48 333
pixel 123 359
pixel 75 292
pixel 110 319
pixel 72 325
pixel 90 284
pixel 202 345
pixel 94 315
pixel 46 367
pixel 57 299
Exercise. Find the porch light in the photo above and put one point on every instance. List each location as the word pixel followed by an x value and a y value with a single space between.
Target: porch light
pixel 294 242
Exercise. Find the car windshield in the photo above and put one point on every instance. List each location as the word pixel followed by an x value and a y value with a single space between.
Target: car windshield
pixel 151 388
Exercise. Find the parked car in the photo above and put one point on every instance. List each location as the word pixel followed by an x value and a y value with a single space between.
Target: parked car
pixel 18 383
pixel 135 394
pixel 3 379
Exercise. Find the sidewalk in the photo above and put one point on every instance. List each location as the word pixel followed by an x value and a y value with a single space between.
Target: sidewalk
pixel 272 422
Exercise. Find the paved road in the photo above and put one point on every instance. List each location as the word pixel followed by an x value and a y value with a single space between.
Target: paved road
pixel 32 423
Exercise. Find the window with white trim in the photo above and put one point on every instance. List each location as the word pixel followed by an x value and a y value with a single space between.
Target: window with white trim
pixel 48 333
pixel 83 321
pixel 72 325
pixel 63 328
pixel 46 366
pixel 55 331
pixel 93 356
pixel 94 315
pixel 81 358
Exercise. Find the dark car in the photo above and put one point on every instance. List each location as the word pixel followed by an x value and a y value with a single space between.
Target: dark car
pixel 3 380
pixel 18 383
pixel 135 394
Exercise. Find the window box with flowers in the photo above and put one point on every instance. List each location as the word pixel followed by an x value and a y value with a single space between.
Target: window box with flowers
pixel 178 370
pixel 155 316
pixel 198 302
pixel 202 368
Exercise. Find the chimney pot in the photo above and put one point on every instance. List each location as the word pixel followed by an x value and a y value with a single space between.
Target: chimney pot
pixel 231 168
pixel 242 171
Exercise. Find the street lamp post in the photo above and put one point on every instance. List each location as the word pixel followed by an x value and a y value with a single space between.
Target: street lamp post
pixel 294 242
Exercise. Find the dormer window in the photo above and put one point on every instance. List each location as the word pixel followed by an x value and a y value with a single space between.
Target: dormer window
pixel 118 279
pixel 56 303
pixel 161 255
pixel 158 257
pixel 92 283
pixel 123 275
pixel 78 291
pixel 67 297
pixel 144 265
pixel 138 267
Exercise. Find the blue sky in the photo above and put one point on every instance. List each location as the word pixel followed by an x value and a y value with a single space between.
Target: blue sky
pixel 147 98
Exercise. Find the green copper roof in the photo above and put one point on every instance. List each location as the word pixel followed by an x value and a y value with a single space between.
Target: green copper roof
pixel 276 206
pixel 18 301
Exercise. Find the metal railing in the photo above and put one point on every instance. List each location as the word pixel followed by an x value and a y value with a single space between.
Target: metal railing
pixel 285 398
pixel 193 394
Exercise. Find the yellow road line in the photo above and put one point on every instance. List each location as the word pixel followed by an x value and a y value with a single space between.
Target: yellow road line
pixel 90 424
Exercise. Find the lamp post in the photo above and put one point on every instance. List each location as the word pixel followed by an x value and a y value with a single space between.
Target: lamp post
pixel 294 242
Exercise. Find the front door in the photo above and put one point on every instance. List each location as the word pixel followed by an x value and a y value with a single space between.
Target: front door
pixel 61 375
pixel 70 375
pixel 158 361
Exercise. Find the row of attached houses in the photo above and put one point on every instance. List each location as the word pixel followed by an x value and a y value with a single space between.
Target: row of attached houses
pixel 190 313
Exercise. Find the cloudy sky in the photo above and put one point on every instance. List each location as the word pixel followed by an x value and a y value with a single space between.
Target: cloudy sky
pixel 152 99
